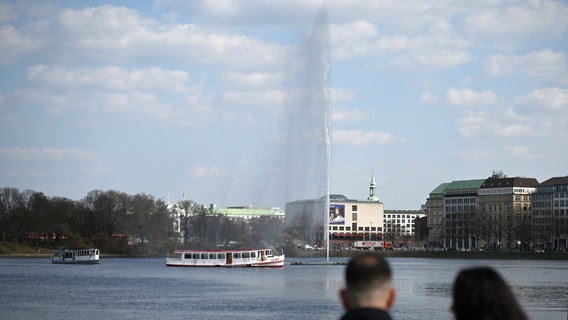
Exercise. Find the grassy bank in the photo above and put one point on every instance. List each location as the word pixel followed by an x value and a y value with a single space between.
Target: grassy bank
pixel 10 249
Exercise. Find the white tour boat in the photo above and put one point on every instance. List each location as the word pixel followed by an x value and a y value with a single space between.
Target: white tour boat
pixel 76 256
pixel 262 258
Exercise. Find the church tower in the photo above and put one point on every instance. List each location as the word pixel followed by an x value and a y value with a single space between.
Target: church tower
pixel 373 189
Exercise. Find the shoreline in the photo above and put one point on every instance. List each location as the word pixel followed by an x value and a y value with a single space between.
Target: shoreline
pixel 351 253
pixel 444 254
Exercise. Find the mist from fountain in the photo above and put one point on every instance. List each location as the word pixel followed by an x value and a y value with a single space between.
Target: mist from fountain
pixel 293 163
pixel 308 107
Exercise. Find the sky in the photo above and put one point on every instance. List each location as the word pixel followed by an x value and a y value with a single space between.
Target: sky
pixel 182 99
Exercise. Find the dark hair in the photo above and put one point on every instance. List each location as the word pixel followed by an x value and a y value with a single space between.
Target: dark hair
pixel 365 271
pixel 482 294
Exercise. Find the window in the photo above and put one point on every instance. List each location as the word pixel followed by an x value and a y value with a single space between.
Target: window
pixel 195 256
pixel 246 255
pixel 223 256
pixel 204 256
pixel 354 216
pixel 236 255
pixel 212 256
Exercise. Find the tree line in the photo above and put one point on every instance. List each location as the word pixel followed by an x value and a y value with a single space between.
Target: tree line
pixel 139 224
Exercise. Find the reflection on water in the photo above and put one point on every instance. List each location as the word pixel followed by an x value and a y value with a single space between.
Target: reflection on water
pixel 146 289
pixel 426 284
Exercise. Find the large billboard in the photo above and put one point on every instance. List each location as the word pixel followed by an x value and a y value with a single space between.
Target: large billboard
pixel 337 214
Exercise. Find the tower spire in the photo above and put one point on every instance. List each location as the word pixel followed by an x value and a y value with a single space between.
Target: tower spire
pixel 373 188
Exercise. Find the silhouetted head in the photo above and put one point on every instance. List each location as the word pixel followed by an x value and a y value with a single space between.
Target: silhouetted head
pixel 368 283
pixel 481 294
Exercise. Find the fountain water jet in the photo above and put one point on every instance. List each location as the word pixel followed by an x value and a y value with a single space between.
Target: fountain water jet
pixel 309 133
pixel 293 162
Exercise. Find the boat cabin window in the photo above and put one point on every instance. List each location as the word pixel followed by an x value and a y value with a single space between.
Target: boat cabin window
pixel 236 255
pixel 204 256
pixel 253 254
pixel 187 256
pixel 246 255
pixel 195 256
pixel 222 256
pixel 212 256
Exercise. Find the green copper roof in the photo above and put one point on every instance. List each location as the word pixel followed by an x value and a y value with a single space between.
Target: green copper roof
pixel 268 212
pixel 440 189
pixel 465 184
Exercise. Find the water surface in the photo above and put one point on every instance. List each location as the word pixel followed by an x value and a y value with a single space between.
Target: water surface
pixel 122 288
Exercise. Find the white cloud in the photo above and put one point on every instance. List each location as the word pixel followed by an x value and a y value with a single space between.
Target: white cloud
pixel 360 138
pixel 247 12
pixel 502 124
pixel 42 154
pixel 551 98
pixel 203 171
pixel 112 78
pixel 468 97
pixel 429 98
pixel 472 124
pixel 544 64
pixel 522 152
pixel 518 21
pixel 342 95
pixel 428 58
pixel 352 38
pixel 115 35
pixel 154 93
pixel 350 114
pixel 254 79
pixel 266 98
pixel 14 44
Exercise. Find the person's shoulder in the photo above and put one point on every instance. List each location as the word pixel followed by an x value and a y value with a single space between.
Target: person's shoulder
pixel 366 314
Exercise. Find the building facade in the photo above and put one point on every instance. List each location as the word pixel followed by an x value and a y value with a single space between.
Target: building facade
pixel 348 219
pixel 460 198
pixel 401 223
pixel 436 216
pixel 494 213
pixel 550 215
pixel 505 212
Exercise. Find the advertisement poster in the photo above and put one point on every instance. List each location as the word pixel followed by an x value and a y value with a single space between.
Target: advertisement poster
pixel 337 214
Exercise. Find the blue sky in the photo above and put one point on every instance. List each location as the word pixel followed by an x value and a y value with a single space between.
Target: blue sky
pixel 180 98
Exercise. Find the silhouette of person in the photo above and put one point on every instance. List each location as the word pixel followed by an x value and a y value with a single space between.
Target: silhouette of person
pixel 481 294
pixel 368 292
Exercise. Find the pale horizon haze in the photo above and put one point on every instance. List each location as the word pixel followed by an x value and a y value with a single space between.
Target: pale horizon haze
pixel 183 99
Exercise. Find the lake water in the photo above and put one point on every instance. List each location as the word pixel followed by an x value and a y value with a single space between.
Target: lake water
pixel 122 288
